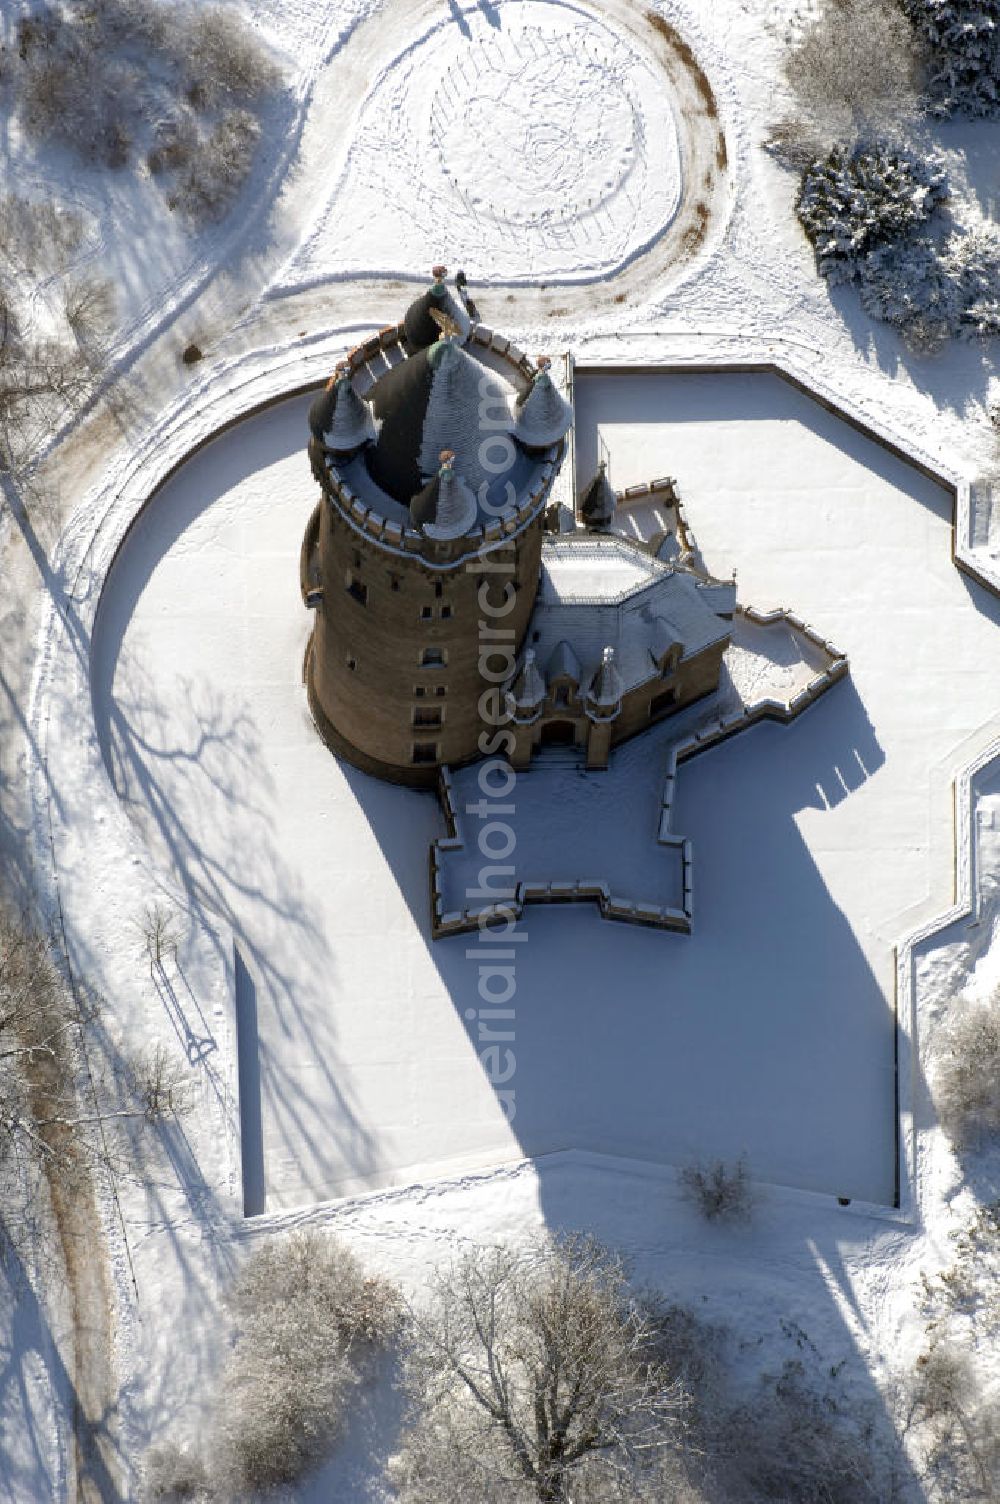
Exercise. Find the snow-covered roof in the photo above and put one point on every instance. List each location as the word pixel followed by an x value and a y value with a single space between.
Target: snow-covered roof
pixel 544 416
pixel 528 690
pixel 562 663
pixel 600 591
pixel 598 502
pixel 446 397
pixel 453 418
pixel 581 567
pixel 606 688
pixel 350 423
pixel 445 508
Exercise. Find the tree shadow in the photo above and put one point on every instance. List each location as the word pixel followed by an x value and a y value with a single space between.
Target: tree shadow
pixel 765 1033
pixel 30 1347
pixel 178 759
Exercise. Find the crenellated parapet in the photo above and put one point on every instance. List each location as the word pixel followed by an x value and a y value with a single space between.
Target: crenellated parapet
pixel 435 444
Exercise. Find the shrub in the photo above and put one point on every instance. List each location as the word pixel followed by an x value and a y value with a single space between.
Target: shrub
pixel 966 1072
pixel 93 74
pixel 89 306
pixel 308 1323
pixel 721 1192
pixel 158 928
pixel 159 1083
pixel 81 99
pixel 797 1444
pixel 217 168
pixel 175 140
pixel 908 284
pixel 972 259
pixel 852 202
pixel 223 60
pixel 171 1473
pixel 961 40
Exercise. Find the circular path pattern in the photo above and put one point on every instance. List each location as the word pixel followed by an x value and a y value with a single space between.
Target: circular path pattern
pixel 523 139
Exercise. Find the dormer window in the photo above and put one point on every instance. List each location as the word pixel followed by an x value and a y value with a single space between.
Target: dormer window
pixel 433 657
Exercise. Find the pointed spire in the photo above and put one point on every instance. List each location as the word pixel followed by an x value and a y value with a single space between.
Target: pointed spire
pixel 445 508
pixel 348 423
pixel 606 691
pixel 453 416
pixel 527 693
pixel 543 416
pixel 598 502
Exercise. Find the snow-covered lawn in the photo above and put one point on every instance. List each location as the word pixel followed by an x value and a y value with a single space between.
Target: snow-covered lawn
pixel 770 1030
pixel 541 138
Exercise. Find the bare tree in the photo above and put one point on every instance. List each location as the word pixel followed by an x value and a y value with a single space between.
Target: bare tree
pixel 960 1423
pixel 855 70
pixel 721 1192
pixel 49 366
pixel 536 1374
pixel 158 928
pixel 159 1083
pixel 955 1407
pixel 36 1077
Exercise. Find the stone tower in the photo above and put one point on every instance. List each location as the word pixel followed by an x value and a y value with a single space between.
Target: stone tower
pixel 435 446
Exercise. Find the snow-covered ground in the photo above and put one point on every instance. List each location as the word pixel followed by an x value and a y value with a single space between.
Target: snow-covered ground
pixel 545 143
pixel 814 844
pixel 819 847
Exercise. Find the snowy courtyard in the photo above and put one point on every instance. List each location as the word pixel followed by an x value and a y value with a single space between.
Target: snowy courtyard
pixel 770 1030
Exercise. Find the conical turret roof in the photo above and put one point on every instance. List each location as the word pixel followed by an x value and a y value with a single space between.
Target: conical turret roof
pixel 340 419
pixel 445 508
pixel 528 689
pixel 606 688
pixel 598 503
pixel 454 411
pixel 430 402
pixel 543 416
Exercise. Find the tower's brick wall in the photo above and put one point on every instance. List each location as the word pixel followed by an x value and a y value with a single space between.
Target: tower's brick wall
pixel 382 612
